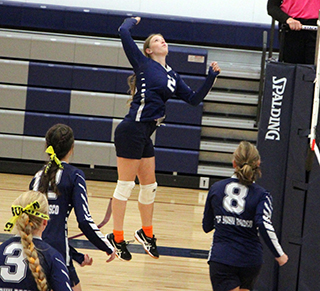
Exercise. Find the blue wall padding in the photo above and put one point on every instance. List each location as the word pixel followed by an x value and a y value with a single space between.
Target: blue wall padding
pixel 48 100
pixel 178 136
pixel 94 79
pixel 85 128
pixel 178 111
pixel 90 21
pixel 91 129
pixel 49 17
pixel 178 59
pixel 106 22
pixel 172 160
pixel 122 86
pixel 11 13
pixel 50 75
pixel 37 124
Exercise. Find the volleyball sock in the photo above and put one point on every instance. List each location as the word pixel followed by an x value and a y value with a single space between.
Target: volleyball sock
pixel 118 236
pixel 148 230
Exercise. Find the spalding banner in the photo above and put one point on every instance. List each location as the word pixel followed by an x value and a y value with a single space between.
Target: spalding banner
pixel 274 129
pixel 273 143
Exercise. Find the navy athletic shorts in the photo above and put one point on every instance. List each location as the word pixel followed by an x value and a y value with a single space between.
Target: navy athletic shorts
pixel 132 139
pixel 224 277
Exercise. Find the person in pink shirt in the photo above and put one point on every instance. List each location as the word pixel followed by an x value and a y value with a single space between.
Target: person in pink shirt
pixel 299 45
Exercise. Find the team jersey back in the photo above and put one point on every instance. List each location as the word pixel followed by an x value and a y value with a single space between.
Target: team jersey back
pixel 73 195
pixel 16 275
pixel 237 212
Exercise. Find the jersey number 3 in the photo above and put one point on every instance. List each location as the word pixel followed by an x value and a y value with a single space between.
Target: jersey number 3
pixel 234 199
pixel 14 258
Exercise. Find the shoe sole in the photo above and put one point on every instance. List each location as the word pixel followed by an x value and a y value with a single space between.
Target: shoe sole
pixel 121 259
pixel 137 237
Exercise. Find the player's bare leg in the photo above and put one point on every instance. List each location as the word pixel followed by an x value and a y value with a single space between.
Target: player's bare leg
pixel 127 172
pixel 148 187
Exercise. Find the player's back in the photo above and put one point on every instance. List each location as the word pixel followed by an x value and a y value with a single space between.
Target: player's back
pixel 69 180
pixel 235 209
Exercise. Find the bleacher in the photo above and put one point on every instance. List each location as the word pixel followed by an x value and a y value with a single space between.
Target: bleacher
pixel 66 65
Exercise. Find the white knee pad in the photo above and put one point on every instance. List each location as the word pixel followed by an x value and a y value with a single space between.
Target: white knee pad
pixel 123 190
pixel 147 193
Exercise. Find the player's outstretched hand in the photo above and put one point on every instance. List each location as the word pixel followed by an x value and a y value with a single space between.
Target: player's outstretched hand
pixel 215 67
pixel 138 19
pixel 112 256
pixel 87 261
pixel 282 260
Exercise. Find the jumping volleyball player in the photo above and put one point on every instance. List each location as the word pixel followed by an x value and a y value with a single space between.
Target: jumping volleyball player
pixel 152 84
pixel 26 261
pixel 237 208
pixel 66 189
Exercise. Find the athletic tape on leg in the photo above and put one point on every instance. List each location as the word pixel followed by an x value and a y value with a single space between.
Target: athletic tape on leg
pixel 123 190
pixel 147 193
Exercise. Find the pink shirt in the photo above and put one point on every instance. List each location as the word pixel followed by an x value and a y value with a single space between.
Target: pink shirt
pixel 306 9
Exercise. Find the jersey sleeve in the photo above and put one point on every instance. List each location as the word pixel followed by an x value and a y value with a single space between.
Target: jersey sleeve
pixel 75 255
pixel 264 223
pixel 59 276
pixel 133 53
pixel 208 214
pixel 85 221
pixel 274 10
pixel 194 98
pixel 34 184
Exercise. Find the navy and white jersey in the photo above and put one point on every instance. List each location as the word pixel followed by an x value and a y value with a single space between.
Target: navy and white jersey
pixel 238 213
pixel 14 269
pixel 73 195
pixel 156 83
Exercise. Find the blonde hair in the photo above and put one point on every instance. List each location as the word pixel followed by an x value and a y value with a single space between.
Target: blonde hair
pixel 132 80
pixel 247 160
pixel 26 224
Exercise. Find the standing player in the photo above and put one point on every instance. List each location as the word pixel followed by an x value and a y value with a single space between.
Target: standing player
pixel 152 84
pixel 236 208
pixel 26 261
pixel 66 189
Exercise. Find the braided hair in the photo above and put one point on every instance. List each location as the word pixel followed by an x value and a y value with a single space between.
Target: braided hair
pixel 247 161
pixel 26 225
pixel 61 138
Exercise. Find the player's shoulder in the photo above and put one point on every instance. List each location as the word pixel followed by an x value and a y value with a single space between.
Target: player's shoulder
pixel 47 250
pixel 260 192
pixel 259 189
pixel 10 240
pixel 72 170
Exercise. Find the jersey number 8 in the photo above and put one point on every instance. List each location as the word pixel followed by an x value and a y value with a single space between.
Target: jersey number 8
pixel 234 199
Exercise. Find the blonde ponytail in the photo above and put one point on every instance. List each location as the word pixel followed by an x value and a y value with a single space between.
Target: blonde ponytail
pixel 247 161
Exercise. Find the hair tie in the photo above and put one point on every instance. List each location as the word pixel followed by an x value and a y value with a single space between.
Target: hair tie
pixel 53 157
pixel 30 209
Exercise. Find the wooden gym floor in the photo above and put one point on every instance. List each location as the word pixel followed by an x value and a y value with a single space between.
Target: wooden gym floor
pixel 183 246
